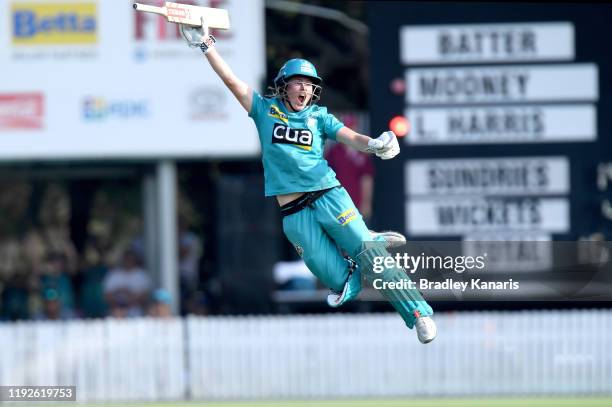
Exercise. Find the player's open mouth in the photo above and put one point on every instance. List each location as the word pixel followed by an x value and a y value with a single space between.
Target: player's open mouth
pixel 301 99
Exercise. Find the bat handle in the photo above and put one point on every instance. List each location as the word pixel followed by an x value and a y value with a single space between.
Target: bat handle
pixel 150 9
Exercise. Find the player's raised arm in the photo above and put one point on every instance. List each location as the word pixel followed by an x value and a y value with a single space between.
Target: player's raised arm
pixel 199 37
pixel 239 88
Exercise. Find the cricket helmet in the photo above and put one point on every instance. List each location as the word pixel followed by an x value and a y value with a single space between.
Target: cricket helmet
pixel 297 67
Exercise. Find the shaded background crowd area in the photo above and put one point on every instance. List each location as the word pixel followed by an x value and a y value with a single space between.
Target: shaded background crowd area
pixel 71 233
pixel 46 275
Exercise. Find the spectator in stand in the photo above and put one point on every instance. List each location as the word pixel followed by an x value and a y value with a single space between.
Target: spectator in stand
pixel 128 286
pixel 161 303
pixel 90 279
pixel 52 307
pixel 15 298
pixel 91 291
pixel 198 304
pixel 120 308
pixel 190 252
pixel 55 276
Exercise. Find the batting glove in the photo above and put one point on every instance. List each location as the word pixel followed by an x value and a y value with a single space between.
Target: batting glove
pixel 385 146
pixel 198 37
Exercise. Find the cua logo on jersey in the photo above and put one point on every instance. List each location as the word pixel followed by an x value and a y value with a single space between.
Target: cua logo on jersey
pixel 276 113
pixel 282 134
pixel 347 217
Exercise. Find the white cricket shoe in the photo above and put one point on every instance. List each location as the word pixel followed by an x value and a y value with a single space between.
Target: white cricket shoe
pixel 334 298
pixel 393 239
pixel 426 329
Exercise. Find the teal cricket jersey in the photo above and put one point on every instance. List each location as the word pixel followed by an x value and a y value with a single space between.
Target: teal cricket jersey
pixel 292 146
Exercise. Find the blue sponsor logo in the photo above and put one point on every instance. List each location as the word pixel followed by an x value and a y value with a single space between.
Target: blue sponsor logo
pixel 347 217
pixel 99 109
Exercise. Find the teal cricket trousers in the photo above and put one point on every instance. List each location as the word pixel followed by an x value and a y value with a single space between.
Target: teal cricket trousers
pixel 332 223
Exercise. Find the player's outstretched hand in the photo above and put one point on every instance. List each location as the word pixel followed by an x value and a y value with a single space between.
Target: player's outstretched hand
pixel 196 36
pixel 385 146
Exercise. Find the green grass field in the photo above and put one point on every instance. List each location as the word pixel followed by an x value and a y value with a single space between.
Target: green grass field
pixel 519 402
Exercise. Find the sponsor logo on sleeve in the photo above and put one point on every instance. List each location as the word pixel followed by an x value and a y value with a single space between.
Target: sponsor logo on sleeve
pixel 276 113
pixel 347 217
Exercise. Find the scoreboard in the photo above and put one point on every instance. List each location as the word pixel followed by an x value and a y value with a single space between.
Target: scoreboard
pixel 509 111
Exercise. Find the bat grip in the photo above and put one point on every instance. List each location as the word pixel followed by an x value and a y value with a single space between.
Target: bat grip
pixel 150 9
pixel 205 30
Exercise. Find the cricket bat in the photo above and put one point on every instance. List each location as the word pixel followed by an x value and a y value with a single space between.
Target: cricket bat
pixel 189 15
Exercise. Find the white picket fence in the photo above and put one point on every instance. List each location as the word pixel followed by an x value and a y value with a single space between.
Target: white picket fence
pixel 107 360
pixel 323 356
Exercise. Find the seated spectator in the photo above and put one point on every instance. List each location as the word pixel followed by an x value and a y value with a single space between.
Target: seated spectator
pixel 91 291
pixel 198 304
pixel 14 304
pixel 52 307
pixel 54 276
pixel 128 285
pixel 190 252
pixel 161 303
pixel 120 308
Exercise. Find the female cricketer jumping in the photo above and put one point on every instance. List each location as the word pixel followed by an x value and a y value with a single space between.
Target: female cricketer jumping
pixel 319 217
